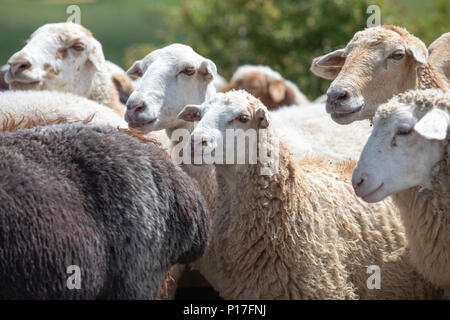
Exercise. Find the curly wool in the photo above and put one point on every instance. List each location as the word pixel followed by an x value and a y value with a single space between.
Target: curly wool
pixel 429 77
pixel 104 91
pixel 301 233
pixel 97 198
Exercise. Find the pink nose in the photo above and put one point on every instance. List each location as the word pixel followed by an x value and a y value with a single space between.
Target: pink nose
pixel 18 67
pixel 133 109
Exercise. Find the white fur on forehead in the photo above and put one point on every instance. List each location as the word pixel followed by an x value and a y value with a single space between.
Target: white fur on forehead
pixel 173 51
pixel 419 101
pixel 236 98
pixel 63 28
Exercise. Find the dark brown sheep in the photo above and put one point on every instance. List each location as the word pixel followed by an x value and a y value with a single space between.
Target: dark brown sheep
pixel 98 198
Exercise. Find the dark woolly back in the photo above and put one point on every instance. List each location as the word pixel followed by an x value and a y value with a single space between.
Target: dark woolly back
pixel 99 198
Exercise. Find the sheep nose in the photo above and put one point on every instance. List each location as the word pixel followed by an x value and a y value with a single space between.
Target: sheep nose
pixel 337 95
pixel 18 67
pixel 134 108
pixel 357 182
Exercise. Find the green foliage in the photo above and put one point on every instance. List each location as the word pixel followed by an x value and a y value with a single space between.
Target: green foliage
pixel 284 34
pixel 287 35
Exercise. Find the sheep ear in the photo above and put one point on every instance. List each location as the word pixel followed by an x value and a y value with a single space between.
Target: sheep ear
pixel 329 65
pixel 263 116
pixel 136 69
pixel 95 55
pixel 190 113
pixel 420 55
pixel 277 90
pixel 433 125
pixel 208 69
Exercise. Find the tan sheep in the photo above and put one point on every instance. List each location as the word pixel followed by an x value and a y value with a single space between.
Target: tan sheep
pixel 375 65
pixel 439 52
pixel 407 156
pixel 267 85
pixel 300 232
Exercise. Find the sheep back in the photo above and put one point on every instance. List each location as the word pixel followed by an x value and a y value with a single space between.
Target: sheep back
pixel 97 198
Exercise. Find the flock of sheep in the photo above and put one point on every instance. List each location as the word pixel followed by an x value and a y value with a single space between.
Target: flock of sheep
pixel 88 176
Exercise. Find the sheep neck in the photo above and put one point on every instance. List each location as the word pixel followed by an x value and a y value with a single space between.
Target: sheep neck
pixel 428 233
pixel 103 91
pixel 208 94
pixel 429 78
pixel 241 182
pixel 205 175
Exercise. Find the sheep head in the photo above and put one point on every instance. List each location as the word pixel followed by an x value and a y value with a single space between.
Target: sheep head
pixel 222 118
pixel 408 139
pixel 376 64
pixel 273 91
pixel 172 77
pixel 59 56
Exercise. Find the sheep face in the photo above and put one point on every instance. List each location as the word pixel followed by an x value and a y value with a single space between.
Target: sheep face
pixel 172 77
pixel 224 117
pixel 376 64
pixel 404 146
pixel 60 56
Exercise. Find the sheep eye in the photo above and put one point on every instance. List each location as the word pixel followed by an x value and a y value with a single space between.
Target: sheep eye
pixel 397 55
pixel 78 47
pixel 243 118
pixel 404 131
pixel 188 71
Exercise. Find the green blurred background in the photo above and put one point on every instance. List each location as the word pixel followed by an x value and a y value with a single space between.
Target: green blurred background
pixel 284 34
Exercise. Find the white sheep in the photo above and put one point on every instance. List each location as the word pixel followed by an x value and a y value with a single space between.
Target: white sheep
pixel 299 232
pixel 407 156
pixel 171 78
pixel 53 105
pixel 309 132
pixel 64 57
pixel 375 65
pixel 267 85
